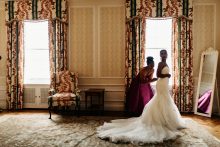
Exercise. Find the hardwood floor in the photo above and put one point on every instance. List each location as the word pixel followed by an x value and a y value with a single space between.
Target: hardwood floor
pixel 211 124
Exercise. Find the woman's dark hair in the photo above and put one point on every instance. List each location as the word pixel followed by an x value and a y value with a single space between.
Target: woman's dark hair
pixel 150 60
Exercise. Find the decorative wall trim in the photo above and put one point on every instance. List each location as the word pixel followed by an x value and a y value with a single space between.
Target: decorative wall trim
pixel 209 4
pixel 106 90
pixel 2 5
pixel 94 45
pixel 2 88
pixel 69 50
pixel 96 2
pixel 114 85
pixel 99 35
pixel 199 42
pixel 101 78
pixel 82 6
pixel 85 84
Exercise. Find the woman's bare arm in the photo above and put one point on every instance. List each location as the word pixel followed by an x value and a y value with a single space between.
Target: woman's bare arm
pixel 151 77
pixel 146 75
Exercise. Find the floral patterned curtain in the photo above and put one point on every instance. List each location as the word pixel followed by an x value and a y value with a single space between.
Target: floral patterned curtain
pixel 134 52
pixel 182 64
pixel 55 11
pixel 58 49
pixel 15 65
pixel 181 11
pixel 36 9
pixel 134 55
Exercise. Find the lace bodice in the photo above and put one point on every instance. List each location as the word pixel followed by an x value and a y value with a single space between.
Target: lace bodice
pixel 165 70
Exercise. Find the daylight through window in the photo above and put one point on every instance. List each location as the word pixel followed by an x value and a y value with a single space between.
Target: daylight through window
pixel 158 37
pixel 36 52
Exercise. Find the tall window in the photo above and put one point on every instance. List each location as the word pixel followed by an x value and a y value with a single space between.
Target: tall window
pixel 158 37
pixel 36 52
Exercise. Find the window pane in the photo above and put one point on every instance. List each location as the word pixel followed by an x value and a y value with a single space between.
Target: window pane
pixel 36 52
pixel 158 37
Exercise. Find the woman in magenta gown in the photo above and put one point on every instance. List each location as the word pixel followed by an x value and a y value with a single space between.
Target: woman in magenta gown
pixel 140 91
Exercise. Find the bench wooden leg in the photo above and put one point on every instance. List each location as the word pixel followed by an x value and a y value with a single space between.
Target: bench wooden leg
pixel 78 105
pixel 50 102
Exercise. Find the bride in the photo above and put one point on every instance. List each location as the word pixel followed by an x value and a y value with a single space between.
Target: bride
pixel 160 119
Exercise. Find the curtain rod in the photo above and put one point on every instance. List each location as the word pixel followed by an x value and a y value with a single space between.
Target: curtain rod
pixel 11 21
pixel 8 0
pixel 140 17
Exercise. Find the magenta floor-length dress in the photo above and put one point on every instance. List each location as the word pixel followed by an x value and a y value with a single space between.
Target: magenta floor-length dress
pixel 139 94
pixel 204 102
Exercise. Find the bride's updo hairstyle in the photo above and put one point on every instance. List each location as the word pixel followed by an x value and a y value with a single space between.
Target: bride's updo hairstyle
pixel 150 60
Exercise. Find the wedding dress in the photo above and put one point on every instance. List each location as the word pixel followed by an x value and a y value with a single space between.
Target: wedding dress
pixel 160 120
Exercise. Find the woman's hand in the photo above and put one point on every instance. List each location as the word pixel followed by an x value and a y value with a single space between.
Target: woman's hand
pixel 154 79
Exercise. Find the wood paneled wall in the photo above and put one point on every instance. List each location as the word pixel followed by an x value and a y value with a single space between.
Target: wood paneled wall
pixel 97 47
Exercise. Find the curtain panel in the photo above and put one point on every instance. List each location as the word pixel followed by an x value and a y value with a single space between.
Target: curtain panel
pixel 134 50
pixel 182 12
pixel 36 9
pixel 159 8
pixel 56 12
pixel 15 65
pixel 183 64
pixel 58 49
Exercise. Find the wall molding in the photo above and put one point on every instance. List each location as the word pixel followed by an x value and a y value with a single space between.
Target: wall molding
pixel 2 4
pixel 99 36
pixel 106 90
pixel 209 4
pixel 111 88
pixel 101 77
pixel 96 2
pixel 85 84
pixel 96 6
pixel 69 44
pixel 112 82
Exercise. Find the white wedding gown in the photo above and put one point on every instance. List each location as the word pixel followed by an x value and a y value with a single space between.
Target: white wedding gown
pixel 160 120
